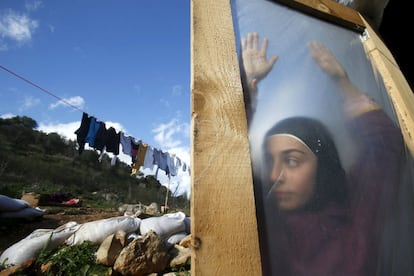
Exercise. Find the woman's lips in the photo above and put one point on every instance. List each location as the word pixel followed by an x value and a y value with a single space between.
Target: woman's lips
pixel 281 195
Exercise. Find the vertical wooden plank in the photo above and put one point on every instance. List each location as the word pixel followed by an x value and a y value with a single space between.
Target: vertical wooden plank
pixel 397 86
pixel 223 225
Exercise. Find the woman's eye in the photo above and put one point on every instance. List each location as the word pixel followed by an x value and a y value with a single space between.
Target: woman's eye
pixel 292 162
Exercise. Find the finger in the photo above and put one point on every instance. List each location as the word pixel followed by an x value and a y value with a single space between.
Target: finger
pixel 249 41
pixel 273 59
pixel 244 43
pixel 255 38
pixel 317 50
pixel 313 48
pixel 264 46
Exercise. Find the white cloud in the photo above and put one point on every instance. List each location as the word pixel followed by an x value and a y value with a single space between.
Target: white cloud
pixel 165 133
pixel 166 136
pixel 16 27
pixel 76 101
pixel 116 126
pixel 65 130
pixel 28 103
pixel 7 116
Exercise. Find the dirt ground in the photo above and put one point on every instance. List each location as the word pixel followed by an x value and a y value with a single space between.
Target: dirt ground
pixel 13 230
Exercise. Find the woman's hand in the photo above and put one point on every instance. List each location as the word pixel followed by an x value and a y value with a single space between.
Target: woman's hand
pixel 255 64
pixel 354 101
pixel 327 61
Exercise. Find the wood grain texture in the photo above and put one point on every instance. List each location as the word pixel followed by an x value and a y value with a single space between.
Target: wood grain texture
pixel 328 10
pixel 223 225
pixel 395 83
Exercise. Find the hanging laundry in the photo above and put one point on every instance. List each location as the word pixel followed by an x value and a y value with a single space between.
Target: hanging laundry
pixel 178 162
pixel 94 133
pixel 100 137
pixel 126 143
pixel 82 131
pixel 149 158
pixel 142 150
pixel 93 129
pixel 164 158
pixel 112 141
pixel 134 150
pixel 161 160
pixel 171 164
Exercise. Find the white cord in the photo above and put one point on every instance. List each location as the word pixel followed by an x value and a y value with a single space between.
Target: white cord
pixel 274 185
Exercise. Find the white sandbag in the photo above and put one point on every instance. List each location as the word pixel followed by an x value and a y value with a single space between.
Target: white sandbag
pixel 165 225
pixel 8 204
pixel 96 231
pixel 31 246
pixel 176 238
pixel 28 213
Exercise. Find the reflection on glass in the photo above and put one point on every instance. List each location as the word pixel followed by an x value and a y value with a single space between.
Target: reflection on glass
pixel 329 160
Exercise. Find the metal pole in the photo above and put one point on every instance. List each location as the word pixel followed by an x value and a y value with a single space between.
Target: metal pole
pixel 166 195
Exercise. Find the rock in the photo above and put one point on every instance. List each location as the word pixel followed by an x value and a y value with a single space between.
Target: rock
pixel 110 248
pixel 144 255
pixel 181 255
pixel 31 198
pixel 186 241
pixel 21 268
pixel 153 209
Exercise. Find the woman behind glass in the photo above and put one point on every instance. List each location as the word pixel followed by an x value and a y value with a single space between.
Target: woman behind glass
pixel 319 219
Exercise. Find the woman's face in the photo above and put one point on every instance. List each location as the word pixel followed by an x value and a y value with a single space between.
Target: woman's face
pixel 293 168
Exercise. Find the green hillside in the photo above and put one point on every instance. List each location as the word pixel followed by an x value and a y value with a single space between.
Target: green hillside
pixel 33 161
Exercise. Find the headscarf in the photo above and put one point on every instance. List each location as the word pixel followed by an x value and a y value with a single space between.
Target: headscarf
pixel 330 177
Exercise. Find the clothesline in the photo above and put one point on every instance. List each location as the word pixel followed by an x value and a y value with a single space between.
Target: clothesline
pixel 40 88
pixel 96 135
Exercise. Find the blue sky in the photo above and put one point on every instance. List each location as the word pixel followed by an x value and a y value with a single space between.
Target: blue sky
pixel 125 62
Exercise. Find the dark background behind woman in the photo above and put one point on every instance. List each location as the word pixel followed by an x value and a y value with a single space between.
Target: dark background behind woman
pixel 395 33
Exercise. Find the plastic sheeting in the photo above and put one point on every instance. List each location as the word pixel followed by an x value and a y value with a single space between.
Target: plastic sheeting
pixel 296 86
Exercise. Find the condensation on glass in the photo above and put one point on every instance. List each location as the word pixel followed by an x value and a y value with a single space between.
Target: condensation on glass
pixel 333 183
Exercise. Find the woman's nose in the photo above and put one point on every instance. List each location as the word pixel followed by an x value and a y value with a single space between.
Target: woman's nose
pixel 277 173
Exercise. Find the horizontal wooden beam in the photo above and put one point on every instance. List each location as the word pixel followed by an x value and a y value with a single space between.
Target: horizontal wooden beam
pixel 328 10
